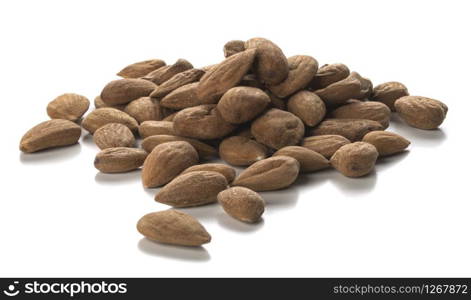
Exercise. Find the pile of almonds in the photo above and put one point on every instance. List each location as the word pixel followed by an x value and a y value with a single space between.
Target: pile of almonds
pixel 277 116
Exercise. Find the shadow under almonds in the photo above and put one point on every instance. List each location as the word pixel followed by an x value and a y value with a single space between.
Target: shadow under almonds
pixel 228 222
pixel 281 199
pixel 52 155
pixel 386 162
pixel 196 254
pixel 417 136
pixel 355 186
pixel 87 139
pixel 118 178
pixel 203 212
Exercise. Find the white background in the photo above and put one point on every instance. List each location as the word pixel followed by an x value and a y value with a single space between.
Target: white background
pixel 60 217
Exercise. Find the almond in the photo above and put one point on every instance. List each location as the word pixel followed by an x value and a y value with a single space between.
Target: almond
pixel 100 104
pixel 328 74
pixel 68 107
pixel 103 116
pixel 119 159
pixel 309 160
pixel 141 68
pixel 389 92
pixel 178 80
pixel 308 107
pixel 163 74
pixel 242 204
pixel 387 143
pixel 241 104
pixel 233 47
pixel 355 159
pixel 421 112
pixel 325 145
pixel 150 128
pixel 145 109
pixel 123 91
pixel 204 150
pixel 241 151
pixel 369 110
pixel 340 92
pixel 226 171
pixel 113 135
pixel 183 97
pixel 352 129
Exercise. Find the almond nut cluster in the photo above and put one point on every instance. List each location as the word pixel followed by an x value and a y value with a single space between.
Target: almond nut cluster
pixel 276 116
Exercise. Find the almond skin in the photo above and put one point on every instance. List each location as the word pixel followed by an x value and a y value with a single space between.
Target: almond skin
pixel 242 204
pixel 387 143
pixel 352 87
pixel 102 116
pixel 241 151
pixel 204 150
pixel 50 134
pixel 150 128
pixel 178 80
pixel 100 104
pixel 369 110
pixel 145 109
pixel 389 92
pixel 192 189
pixel 241 104
pixel 233 47
pixel 328 74
pixel 355 159
pixel 273 173
pixel 123 91
pixel 119 159
pixel 325 145
pixel 310 161
pixel 421 112
pixel 166 161
pixel 68 107
pixel 308 107
pixel 352 129
pixel 173 227
pixel 113 135
pixel 228 172
pixel 141 68
pixel 163 74
pixel 183 97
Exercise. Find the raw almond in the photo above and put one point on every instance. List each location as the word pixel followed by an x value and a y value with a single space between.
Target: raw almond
pixel 421 112
pixel 149 128
pixel 369 110
pixel 145 109
pixel 233 47
pixel 163 74
pixel 123 91
pixel 178 80
pixel 204 150
pixel 113 135
pixel 102 116
pixel 241 104
pixel 100 104
pixel 183 97
pixel 276 102
pixel 387 143
pixel 68 107
pixel 242 204
pixel 119 159
pixel 141 68
pixel 166 161
pixel 241 151
pixel 352 129
pixel 389 92
pixel 192 189
pixel 308 107
pixel 223 169
pixel 309 160
pixel 325 145
pixel 50 134
pixel 328 74
pixel 355 159
pixel 338 93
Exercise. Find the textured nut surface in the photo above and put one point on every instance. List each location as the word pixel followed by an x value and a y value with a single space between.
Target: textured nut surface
pixel 352 129
pixel 233 47
pixel 421 112
pixel 269 174
pixel 369 110
pixel 173 227
pixel 141 68
pixel 241 104
pixel 102 116
pixel 325 145
pixel 355 159
pixel 204 150
pixel 119 159
pixel 228 172
pixel 50 134
pixel 163 74
pixel 166 161
pixel 113 135
pixel 241 151
pixel 328 74
pixel 201 122
pixel 309 160
pixel 277 129
pixel 145 109
pixel 308 107
pixel 270 65
pixel 150 128
pixel 123 91
pixel 192 189
pixel 387 143
pixel 100 104
pixel 68 107
pixel 340 92
pixel 178 80
pixel 389 92
pixel 183 97
pixel 242 204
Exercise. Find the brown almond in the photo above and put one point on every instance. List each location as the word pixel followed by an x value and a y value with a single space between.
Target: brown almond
pixel 204 150
pixel 123 91
pixel 241 151
pixel 68 107
pixel 170 117
pixel 145 109
pixel 178 80
pixel 119 159
pixel 149 128
pixel 276 102
pixel 228 172
pixel 421 112
pixel 387 143
pixel 325 145
pixel 102 116
pixel 166 161
pixel 173 227
pixel 192 189
pixel 233 47
pixel 100 104
pixel 241 104
pixel 277 129
pixel 309 160
pixel 338 93
pixel 182 97
pixel 355 159
pixel 141 68
pixel 328 74
pixel 269 174
pixel 113 135
pixel 366 87
pixel 242 204
pixel 50 134
pixel 163 74
pixel 308 107
pixel 368 110
pixel 389 92
pixel 352 129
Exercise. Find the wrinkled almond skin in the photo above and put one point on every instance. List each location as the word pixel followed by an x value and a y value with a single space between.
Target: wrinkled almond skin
pixel 277 129
pixel 102 116
pixel 173 227
pixel 369 110
pixel 201 122
pixel 352 129
pixel 366 86
pixel 163 74
pixel 149 128
pixel 119 159
pixel 68 107
pixel 228 172
pixel 178 80
pixel 310 161
pixel 302 69
pixel 270 65
pixel 308 107
pixel 224 76
pixel 328 74
pixel 241 151
pixel 141 68
pixel 252 81
pixel 338 93
pixel 355 159
pixel 204 150
pixel 113 135
pixel 145 109
pixel 192 189
pixel 183 97
pixel 325 145
pixel 276 102
pixel 273 173
pixel 241 104
pixel 389 92
pixel 233 47
pixel 100 104
pixel 50 134
pixel 123 91
pixel 166 161
pixel 387 143
pixel 421 112
pixel 242 204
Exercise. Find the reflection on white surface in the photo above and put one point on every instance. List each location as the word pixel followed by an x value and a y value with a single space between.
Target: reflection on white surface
pixel 52 155
pixel 230 223
pixel 197 254
pixel 417 136
pixel 118 178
